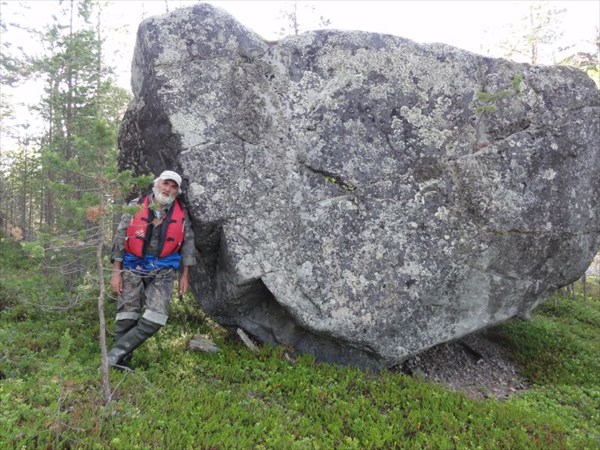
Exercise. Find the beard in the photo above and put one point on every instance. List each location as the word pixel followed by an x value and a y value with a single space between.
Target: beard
pixel 161 198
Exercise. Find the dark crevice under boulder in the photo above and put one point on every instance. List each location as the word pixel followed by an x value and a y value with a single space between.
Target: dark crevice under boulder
pixel 360 196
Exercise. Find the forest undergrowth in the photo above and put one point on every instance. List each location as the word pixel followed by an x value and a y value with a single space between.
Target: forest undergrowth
pixel 50 386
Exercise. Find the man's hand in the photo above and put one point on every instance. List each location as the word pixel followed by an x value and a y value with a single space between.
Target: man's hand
pixel 184 281
pixel 116 279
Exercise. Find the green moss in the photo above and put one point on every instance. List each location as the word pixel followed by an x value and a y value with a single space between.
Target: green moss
pixel 488 101
pixel 234 399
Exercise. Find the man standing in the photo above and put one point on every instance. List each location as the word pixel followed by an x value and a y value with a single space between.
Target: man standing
pixel 149 248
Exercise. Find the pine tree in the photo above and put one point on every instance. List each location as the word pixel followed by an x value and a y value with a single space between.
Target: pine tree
pixel 21 207
pixel 296 19
pixel 534 38
pixel 54 176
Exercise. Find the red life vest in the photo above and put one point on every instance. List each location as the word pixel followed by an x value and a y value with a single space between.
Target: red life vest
pixel 139 231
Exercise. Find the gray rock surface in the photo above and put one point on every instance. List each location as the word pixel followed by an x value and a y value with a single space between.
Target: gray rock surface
pixel 361 196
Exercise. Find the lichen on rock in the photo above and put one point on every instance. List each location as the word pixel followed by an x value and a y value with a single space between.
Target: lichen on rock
pixel 354 195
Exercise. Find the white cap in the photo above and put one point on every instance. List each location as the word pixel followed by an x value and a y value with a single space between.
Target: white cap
pixel 170 175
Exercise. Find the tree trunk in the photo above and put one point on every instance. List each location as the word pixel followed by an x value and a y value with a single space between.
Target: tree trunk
pixel 101 182
pixel 106 391
pixel 69 112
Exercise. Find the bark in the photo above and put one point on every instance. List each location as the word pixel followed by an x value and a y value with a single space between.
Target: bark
pixel 106 391
pixel 106 394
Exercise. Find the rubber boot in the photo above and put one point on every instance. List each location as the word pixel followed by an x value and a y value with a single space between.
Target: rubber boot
pixel 121 328
pixel 127 343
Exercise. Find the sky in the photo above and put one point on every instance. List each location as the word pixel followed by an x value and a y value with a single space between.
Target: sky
pixel 472 25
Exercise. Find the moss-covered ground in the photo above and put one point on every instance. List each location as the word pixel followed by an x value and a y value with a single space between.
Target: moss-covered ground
pixel 50 386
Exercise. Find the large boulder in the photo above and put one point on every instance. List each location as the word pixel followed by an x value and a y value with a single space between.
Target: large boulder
pixel 360 196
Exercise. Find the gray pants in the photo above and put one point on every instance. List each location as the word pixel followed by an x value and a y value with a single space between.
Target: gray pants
pixel 152 291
